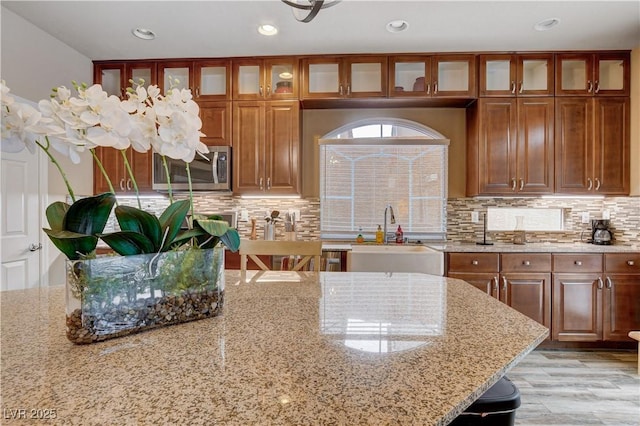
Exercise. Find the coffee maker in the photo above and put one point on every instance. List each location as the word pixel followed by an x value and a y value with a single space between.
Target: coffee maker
pixel 600 233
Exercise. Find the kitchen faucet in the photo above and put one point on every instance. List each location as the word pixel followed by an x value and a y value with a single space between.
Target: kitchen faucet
pixel 392 221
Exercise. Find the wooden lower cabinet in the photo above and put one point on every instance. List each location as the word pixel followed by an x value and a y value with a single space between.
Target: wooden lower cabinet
pixel 577 307
pixel 518 280
pixel 581 297
pixel 601 303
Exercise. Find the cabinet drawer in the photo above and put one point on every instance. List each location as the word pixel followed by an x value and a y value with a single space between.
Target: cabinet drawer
pixel 474 262
pixel 622 262
pixel 577 262
pixel 526 262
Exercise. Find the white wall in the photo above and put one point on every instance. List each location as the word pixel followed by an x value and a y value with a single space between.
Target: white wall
pixel 32 63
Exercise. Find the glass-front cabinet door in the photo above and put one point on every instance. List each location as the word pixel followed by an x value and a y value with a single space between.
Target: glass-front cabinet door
pixel 212 80
pixel 433 76
pixel 265 79
pixel 344 77
pixel 111 77
pixel 453 76
pixel 593 74
pixel 176 75
pixel 409 76
pixel 516 75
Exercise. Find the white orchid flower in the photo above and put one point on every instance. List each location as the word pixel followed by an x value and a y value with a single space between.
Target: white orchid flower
pixel 17 128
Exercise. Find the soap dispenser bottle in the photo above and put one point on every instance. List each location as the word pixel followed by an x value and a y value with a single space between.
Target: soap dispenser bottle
pixel 379 235
pixel 399 235
pixel 360 238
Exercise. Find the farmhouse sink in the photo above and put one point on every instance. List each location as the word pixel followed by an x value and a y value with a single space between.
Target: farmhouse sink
pixel 395 258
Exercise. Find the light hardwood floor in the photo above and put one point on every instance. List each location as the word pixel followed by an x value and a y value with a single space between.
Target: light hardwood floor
pixel 578 388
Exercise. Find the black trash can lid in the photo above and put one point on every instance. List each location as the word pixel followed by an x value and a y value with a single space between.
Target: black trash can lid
pixel 503 396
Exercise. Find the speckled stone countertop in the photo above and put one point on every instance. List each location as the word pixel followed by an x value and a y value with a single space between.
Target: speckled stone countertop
pixel 471 246
pixel 539 248
pixel 288 349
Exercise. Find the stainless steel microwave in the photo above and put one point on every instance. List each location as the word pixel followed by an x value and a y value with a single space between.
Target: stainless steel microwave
pixel 210 174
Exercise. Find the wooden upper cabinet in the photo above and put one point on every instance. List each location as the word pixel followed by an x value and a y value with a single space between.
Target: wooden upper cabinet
pixel 592 146
pixel 510 147
pixel 516 75
pixel 207 79
pixel 437 76
pixel 263 79
pixel 336 77
pixel 593 74
pixel 266 140
pixel 216 122
pixel 115 77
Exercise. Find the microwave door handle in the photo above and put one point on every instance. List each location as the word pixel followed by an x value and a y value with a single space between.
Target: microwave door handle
pixel 214 167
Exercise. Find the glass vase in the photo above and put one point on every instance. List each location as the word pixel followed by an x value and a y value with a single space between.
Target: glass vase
pixel 112 296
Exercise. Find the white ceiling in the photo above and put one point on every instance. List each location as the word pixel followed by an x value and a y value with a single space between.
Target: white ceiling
pixel 102 29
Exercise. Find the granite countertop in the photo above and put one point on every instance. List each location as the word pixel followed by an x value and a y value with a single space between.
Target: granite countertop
pixel 500 247
pixel 288 349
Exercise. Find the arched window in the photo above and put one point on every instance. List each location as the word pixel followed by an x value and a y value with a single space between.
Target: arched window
pixel 369 164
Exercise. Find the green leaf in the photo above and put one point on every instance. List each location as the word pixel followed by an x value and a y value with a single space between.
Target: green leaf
pixel 231 239
pixel 136 220
pixel 221 229
pixel 127 243
pixel 171 220
pixel 184 236
pixel 55 215
pixel 89 215
pixel 72 244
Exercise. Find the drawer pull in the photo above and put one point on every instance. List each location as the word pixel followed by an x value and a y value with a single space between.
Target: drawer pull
pixel 600 283
pixel 630 262
pixel 474 262
pixel 526 263
pixel 578 262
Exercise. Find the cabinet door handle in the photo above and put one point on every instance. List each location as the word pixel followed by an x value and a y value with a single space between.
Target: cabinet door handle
pixel 268 184
pixel 261 186
pixel 526 263
pixel 197 92
pixel 600 284
pixel 495 287
pixel 513 184
pixel 122 184
pixel 630 262
pixel 521 184
pixel 474 262
pixel 504 285
pixel 521 88
pixel 261 91
pixel 597 184
pixel 589 86
pixel 578 263
pixel 129 185
pixel 428 88
pixel 341 90
pixel 435 87
pixel 348 90
pixel 609 283
pixel 589 184
pixel 513 87
pixel 597 86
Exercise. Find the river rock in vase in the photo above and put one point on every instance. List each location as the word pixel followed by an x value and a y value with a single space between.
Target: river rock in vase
pixel 113 296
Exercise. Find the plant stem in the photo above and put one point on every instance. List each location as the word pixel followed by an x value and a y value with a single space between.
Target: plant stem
pixel 166 171
pixel 133 179
pixel 190 190
pixel 104 172
pixel 54 161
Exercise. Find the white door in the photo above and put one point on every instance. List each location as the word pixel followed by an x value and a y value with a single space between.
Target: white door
pixel 21 221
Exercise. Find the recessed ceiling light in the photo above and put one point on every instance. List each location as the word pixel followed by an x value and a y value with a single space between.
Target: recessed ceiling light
pixel 397 26
pixel 546 24
pixel 143 33
pixel 267 30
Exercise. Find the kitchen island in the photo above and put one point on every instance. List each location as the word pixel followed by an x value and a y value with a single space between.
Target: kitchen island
pixel 288 349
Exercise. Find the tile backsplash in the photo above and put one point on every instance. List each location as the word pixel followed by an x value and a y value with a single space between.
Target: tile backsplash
pixel 624 214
